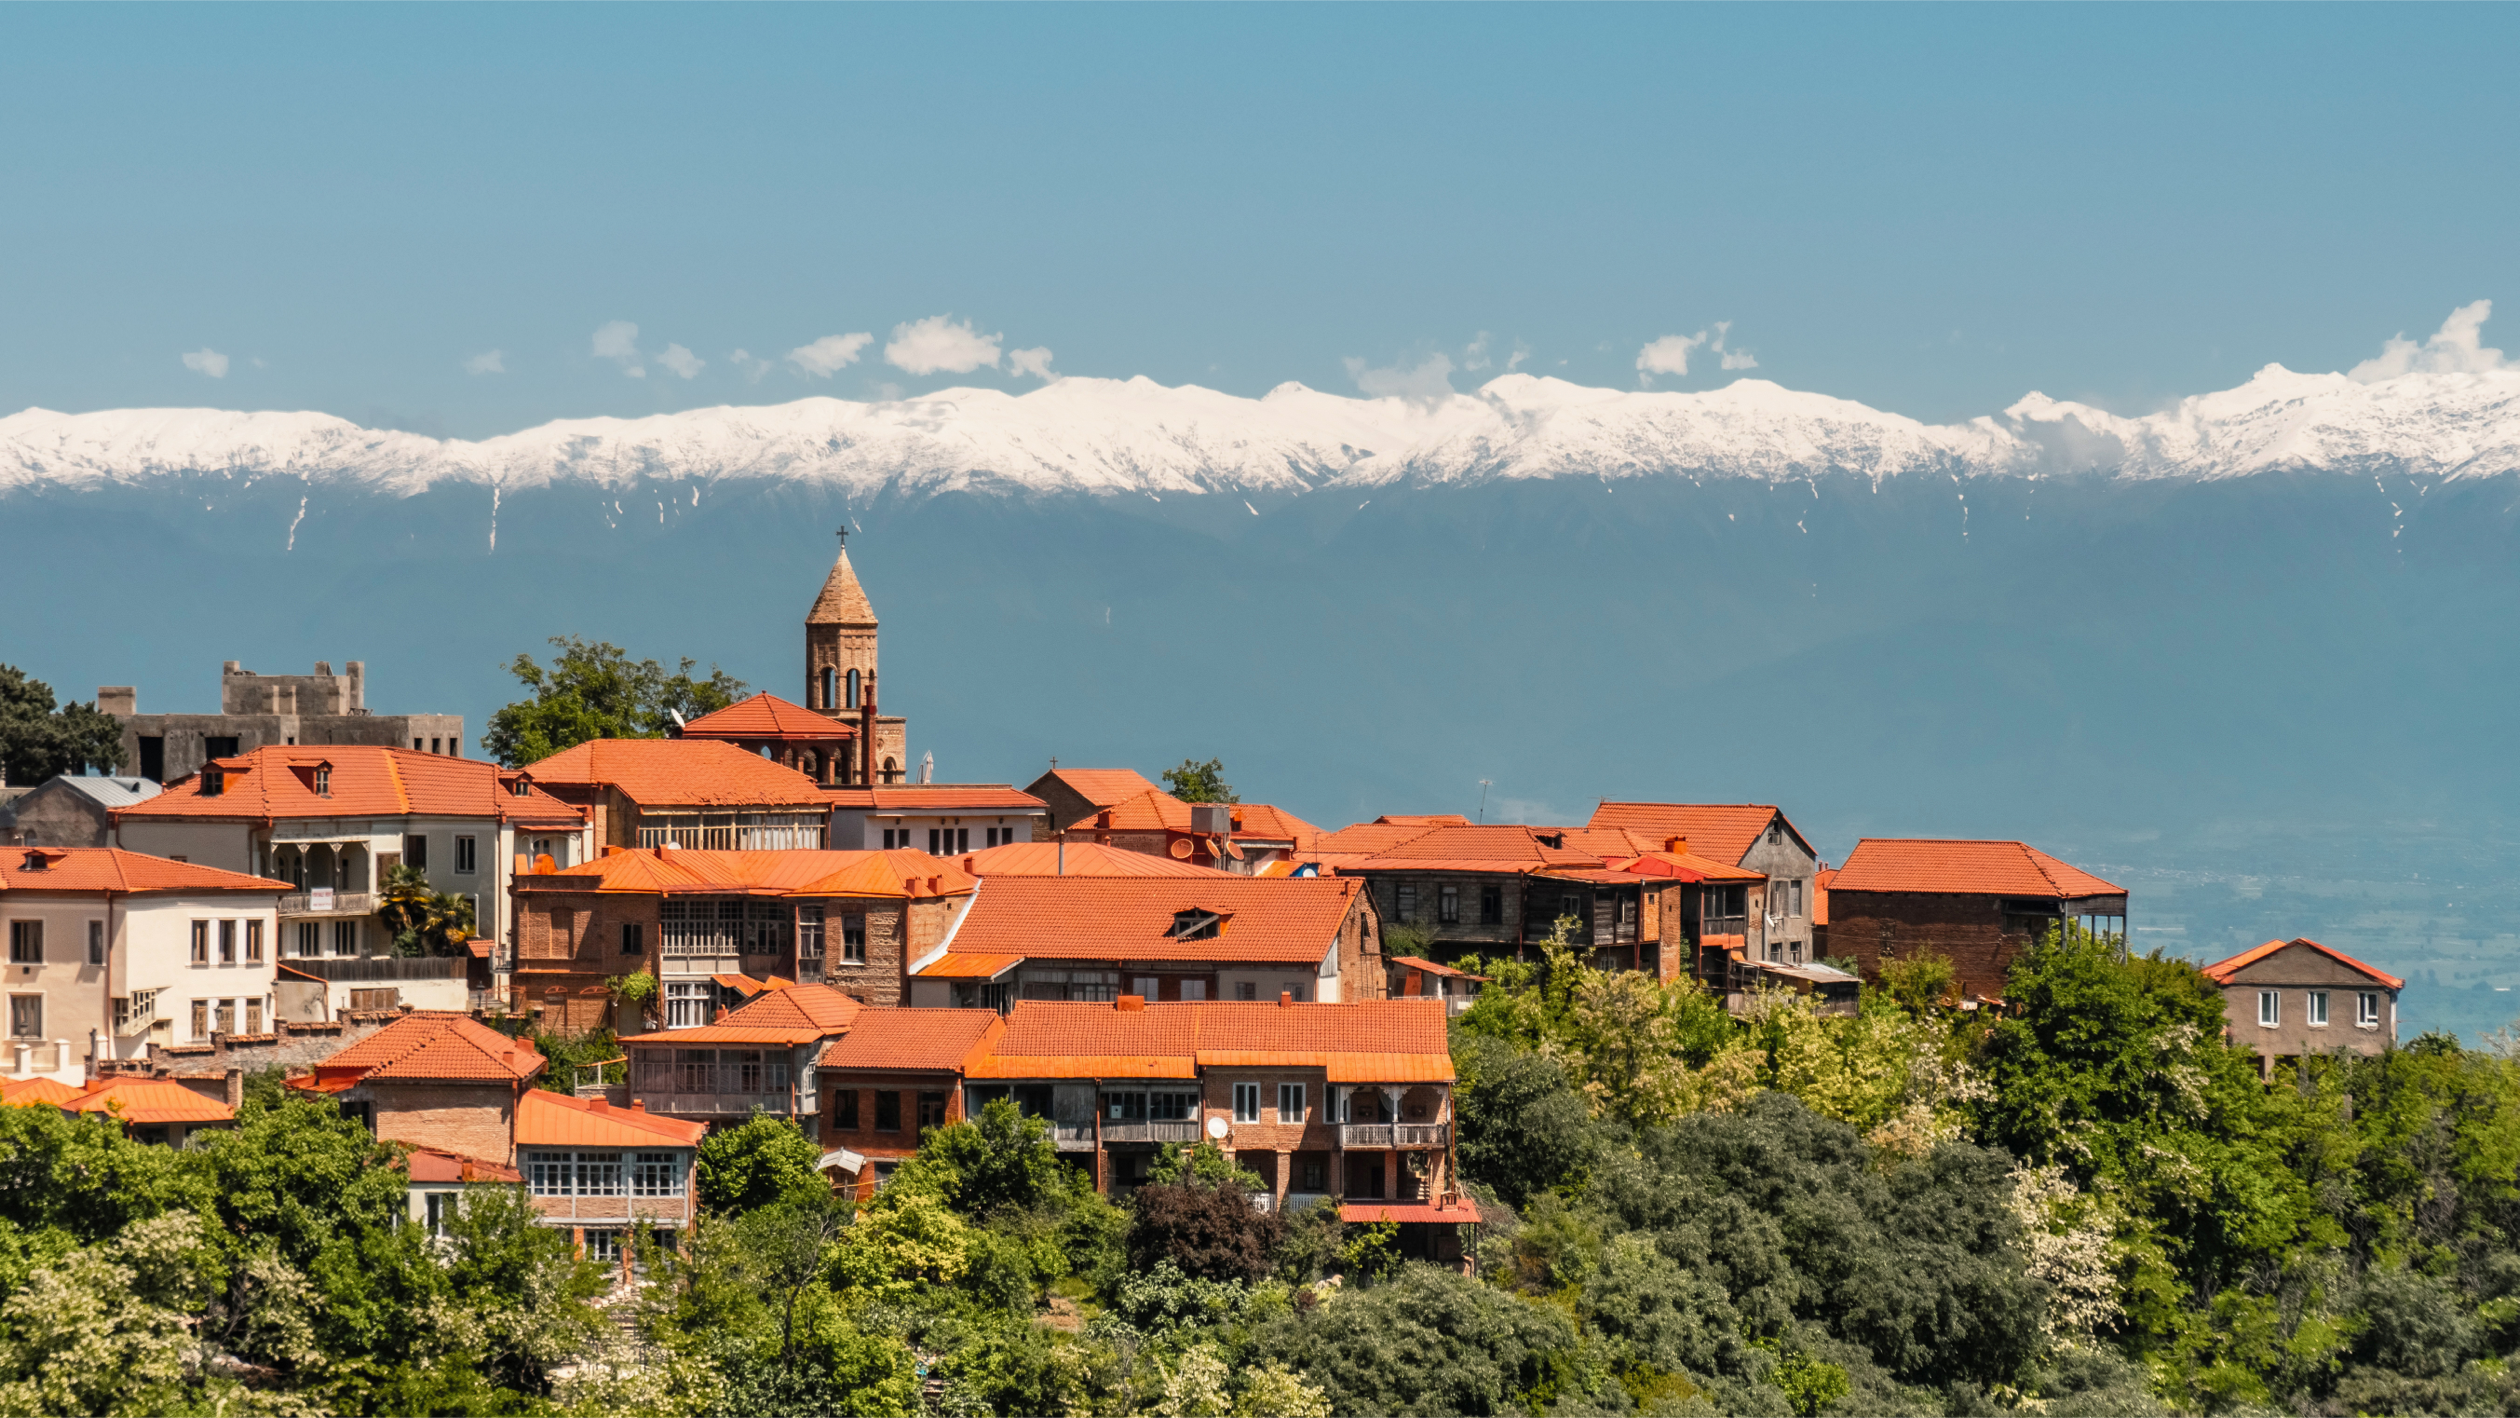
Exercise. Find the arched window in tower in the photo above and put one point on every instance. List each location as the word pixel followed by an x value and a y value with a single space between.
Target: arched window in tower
pixel 853 689
pixel 830 688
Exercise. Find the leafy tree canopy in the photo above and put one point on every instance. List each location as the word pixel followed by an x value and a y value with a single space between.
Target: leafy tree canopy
pixel 39 741
pixel 594 690
pixel 1196 782
pixel 764 1160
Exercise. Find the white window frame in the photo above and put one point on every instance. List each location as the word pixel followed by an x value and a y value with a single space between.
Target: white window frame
pixel 467 857
pixel 2367 1009
pixel 656 1174
pixel 1246 1102
pixel 1291 1103
pixel 2270 1008
pixel 686 1004
pixel 2318 1009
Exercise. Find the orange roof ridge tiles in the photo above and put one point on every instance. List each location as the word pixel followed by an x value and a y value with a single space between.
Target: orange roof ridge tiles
pixel 1724 831
pixel 32 1092
pixel 362 780
pixel 938 1040
pixel 1074 859
pixel 1983 867
pixel 2221 971
pixel 150 1100
pixel 1103 787
pixel 1687 866
pixel 1502 847
pixel 548 1119
pixel 118 870
pixel 898 872
pixel 1380 1041
pixel 767 716
pixel 679 773
pixel 429 1045
pixel 936 797
pixel 1275 919
pixel 1157 810
pixel 842 600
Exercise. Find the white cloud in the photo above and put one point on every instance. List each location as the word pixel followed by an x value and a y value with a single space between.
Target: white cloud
pixel 1429 380
pixel 1668 355
pixel 940 345
pixel 1034 362
pixel 1476 356
pixel 2456 348
pixel 753 367
pixel 1521 352
pixel 681 361
pixel 207 361
pixel 1733 359
pixel 830 354
pixel 618 341
pixel 487 362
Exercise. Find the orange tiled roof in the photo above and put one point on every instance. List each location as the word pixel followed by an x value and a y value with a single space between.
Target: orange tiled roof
pixel 1365 839
pixel 432 1045
pixel 1820 895
pixel 548 1119
pixel 150 1100
pixel 1497 848
pixel 930 1040
pixel 1381 1041
pixel 1074 859
pixel 817 1007
pixel 1415 962
pixel 430 1164
pixel 1687 866
pixel 1723 831
pixel 957 965
pixel 2221 971
pixel 724 1032
pixel 1131 918
pixel 1104 786
pixel 899 873
pixel 26 1092
pixel 1609 843
pixel 767 716
pixel 1158 811
pixel 1969 868
pixel 113 869
pixel 937 797
pixel 279 781
pixel 680 773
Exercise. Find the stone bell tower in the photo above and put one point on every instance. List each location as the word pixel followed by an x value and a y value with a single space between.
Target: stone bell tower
pixel 840 666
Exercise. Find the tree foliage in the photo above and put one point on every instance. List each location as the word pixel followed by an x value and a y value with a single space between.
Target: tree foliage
pixel 1196 782
pixel 40 739
pixel 594 690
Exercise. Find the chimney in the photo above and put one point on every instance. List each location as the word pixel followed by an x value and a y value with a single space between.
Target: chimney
pixel 638 1105
pixel 1130 1004
pixel 358 686
pixel 1677 846
pixel 1285 1000
pixel 119 700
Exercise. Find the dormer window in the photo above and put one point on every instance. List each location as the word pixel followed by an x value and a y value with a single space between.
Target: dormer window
pixel 323 780
pixel 213 782
pixel 520 788
pixel 36 861
pixel 1197 925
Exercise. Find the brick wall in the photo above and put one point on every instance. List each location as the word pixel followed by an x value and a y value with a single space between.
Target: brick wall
pixel 474 1120
pixel 1968 929
pixel 864 1139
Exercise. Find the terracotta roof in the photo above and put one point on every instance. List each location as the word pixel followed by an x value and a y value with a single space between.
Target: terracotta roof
pixel 727 1032
pixel 1591 876
pixel 1158 811
pixel 1972 868
pixel 1687 866
pixel 1075 859
pixel 429 1164
pixel 1131 918
pixel 2221 971
pixel 279 781
pixel 817 1007
pixel 1723 831
pixel 1462 1211
pixel 1609 843
pixel 958 966
pixel 843 601
pixel 1431 968
pixel 27 1092
pixel 1820 895
pixel 431 1045
pixel 1424 819
pixel 1498 848
pixel 548 1119
pixel 1385 1041
pixel 930 1040
pixel 150 1100
pixel 899 873
pixel 937 797
pixel 113 869
pixel 767 716
pixel 1103 786
pixel 680 773
pixel 1365 839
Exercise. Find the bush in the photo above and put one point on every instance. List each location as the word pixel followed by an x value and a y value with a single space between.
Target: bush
pixel 764 1160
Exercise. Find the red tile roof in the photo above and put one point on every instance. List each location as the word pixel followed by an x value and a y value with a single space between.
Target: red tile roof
pixel 429 1164
pixel 1158 811
pixel 899 873
pixel 1379 1041
pixel 1968 868
pixel 1462 1212
pixel 280 781
pixel 1365 839
pixel 1131 918
pixel 113 869
pixel 817 1007
pixel 1723 831
pixel 548 1119
pixel 1104 786
pixel 2221 971
pixel 150 1100
pixel 955 965
pixel 767 717
pixel 1430 967
pixel 937 797
pixel 1496 848
pixel 1687 866
pixel 929 1040
pixel 433 1045
pixel 1074 859
pixel 29 1092
pixel 680 773
pixel 1820 895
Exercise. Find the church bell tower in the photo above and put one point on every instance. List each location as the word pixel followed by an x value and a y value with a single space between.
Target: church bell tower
pixel 840 670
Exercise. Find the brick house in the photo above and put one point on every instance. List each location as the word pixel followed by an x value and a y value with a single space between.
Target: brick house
pixel 1076 794
pixel 942 819
pixel 600 1172
pixel 697 793
pixel 1776 912
pixel 896 1074
pixel 2289 999
pixel 1499 889
pixel 694 920
pixel 1216 936
pixel 442 1081
pixel 1246 839
pixel 1980 903
pixel 790 735
pixel 759 1056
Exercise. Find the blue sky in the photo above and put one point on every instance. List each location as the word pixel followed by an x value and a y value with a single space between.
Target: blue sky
pixel 1931 210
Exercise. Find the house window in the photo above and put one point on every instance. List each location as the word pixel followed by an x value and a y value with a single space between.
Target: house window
pixel 96 942
pixel 844 1110
pixel 1290 1102
pixel 1448 904
pixel 853 939
pixel 226 1013
pixel 1573 905
pixel 416 851
pixel 599 1174
pixel 1194 989
pixel 1491 906
pixel 809 936
pixel 253 943
pixel 1172 1107
pixel 26 942
pixel 323 780
pixel 440 1209
pixel 888 1112
pixel 1295 993
pixel 1316 1175
pixel 1404 902
pixel 1246 989
pixel 830 696
pixel 463 856
pixel 1146 986
pixel 362 1001
pixel 931 1111
pixel 2318 1009
pixel 695 1071
pixel 633 938
pixel 686 1004
pixel 201 1019
pixel 253 1016
pixel 227 942
pixel 547 1173
pixel 2367 1010
pixel 310 939
pixel 26 1016
pixel 345 938
pixel 213 782
pixel 853 690
pixel 2270 1008
pixel 1246 1102
pixel 656 1174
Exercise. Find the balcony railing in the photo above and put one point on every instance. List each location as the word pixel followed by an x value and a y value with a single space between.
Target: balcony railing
pixel 1365 1134
pixel 1185 1131
pixel 1072 1137
pixel 328 903
pixel 1385 1135
pixel 715 1105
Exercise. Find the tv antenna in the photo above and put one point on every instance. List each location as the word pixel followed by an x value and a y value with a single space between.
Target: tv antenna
pixel 1484 785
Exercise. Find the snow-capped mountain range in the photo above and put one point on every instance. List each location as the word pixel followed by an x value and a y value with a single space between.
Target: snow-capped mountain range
pixel 1103 436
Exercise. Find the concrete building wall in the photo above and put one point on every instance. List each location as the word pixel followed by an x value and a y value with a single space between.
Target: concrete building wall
pixel 57 816
pixel 257 710
pixel 229 846
pixel 2294 976
pixel 1786 861
pixel 861 829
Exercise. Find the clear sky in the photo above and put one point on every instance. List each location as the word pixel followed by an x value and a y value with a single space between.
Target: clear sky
pixel 444 218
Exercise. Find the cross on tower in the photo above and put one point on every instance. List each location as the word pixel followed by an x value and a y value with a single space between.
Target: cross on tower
pixel 844 538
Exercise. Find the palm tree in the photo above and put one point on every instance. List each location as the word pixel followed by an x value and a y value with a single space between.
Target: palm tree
pixel 424 921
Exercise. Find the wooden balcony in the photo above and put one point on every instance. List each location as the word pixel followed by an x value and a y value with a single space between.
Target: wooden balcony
pixel 1369 1137
pixel 715 1105
pixel 1184 1131
pixel 328 903
pixel 1072 1137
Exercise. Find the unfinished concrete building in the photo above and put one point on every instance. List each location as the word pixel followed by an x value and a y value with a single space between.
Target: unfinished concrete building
pixel 264 711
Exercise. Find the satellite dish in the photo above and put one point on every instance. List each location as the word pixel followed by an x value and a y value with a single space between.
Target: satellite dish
pixel 1181 848
pixel 1216 1128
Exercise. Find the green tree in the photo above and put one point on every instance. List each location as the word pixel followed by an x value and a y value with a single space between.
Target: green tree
pixel 1429 1341
pixel 421 919
pixel 38 741
pixel 594 690
pixel 1197 1214
pixel 764 1160
pixel 1196 782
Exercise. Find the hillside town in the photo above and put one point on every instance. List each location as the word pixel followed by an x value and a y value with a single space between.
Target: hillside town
pixel 769 912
